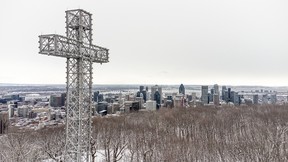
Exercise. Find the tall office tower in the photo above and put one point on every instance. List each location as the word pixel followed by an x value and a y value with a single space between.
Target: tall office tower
pixel 11 110
pixel 182 89
pixel 231 98
pixel 229 95
pixel 140 100
pixel 157 98
pixel 141 88
pixel 264 99
pixel 147 88
pixel 63 99
pixel 95 96
pixel 216 99
pixel 148 96
pixel 204 94
pixel 211 95
pixel 4 121
pixel 138 94
pixel 225 98
pixel 212 91
pixel 255 99
pixel 216 89
pixel 55 101
pixel 223 92
pixel 154 89
pixel 144 95
pixel 273 98
pixel 235 98
pixel 194 96
pixel 143 91
pixel 100 98
pixel 23 111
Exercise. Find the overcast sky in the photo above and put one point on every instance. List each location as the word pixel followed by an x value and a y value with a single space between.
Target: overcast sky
pixel 234 42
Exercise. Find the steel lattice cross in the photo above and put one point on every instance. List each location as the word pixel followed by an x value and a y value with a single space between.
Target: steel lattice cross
pixel 77 47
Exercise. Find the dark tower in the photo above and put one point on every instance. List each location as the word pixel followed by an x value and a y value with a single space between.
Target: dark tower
pixel 157 98
pixel 182 89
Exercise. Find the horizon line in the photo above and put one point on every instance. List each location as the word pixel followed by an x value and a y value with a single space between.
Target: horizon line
pixel 138 84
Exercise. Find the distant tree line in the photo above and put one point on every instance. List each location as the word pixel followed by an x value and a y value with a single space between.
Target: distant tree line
pixel 168 135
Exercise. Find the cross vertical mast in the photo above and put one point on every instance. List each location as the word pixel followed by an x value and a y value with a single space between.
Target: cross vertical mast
pixel 80 53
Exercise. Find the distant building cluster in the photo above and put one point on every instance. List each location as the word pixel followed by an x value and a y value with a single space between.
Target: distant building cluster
pixel 39 110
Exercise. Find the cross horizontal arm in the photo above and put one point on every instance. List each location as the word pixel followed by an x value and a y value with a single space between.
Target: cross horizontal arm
pixel 57 45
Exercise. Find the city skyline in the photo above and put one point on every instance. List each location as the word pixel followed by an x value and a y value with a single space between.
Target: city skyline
pixel 163 42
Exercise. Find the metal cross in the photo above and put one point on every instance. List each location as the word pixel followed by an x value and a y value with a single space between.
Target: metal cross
pixel 77 47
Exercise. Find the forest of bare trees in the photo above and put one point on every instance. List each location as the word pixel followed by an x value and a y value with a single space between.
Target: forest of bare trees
pixel 168 135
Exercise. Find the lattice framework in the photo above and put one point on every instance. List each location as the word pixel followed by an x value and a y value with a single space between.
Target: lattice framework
pixel 77 47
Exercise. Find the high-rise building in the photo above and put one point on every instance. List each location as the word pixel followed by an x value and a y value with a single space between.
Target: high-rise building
pixel 264 99
pixel 235 98
pixel 4 122
pixel 140 100
pixel 223 92
pixel 216 89
pixel 154 89
pixel 95 96
pixel 11 108
pixel 23 111
pixel 157 98
pixel 204 95
pixel 143 91
pixel 141 88
pixel 100 97
pixel 55 101
pixel 273 99
pixel 216 99
pixel 211 95
pixel 63 99
pixel 182 89
pixel 255 99
pixel 229 95
pixel 225 98
pixel 194 96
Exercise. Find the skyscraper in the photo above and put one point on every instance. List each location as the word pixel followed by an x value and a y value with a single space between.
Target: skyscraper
pixel 273 98
pixel 56 100
pixel 204 94
pixel 229 95
pixel 216 99
pixel 95 96
pixel 255 99
pixel 143 92
pixel 223 92
pixel 216 89
pixel 157 98
pixel 154 89
pixel 141 88
pixel 182 89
